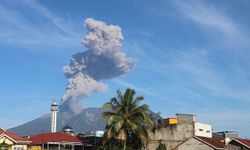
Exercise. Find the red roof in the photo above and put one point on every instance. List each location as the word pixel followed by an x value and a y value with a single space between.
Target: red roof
pixel 59 137
pixel 16 138
pixel 215 142
pixel 244 142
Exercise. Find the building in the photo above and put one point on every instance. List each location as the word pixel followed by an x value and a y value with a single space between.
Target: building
pixel 202 143
pixel 55 141
pixel 171 133
pixel 203 130
pixel 13 141
pixel 174 131
pixel 228 135
pixel 239 144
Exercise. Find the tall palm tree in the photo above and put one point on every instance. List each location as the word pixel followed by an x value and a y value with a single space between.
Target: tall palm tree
pixel 125 117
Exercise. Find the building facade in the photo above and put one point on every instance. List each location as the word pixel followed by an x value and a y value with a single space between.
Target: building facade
pixel 172 133
pixel 201 129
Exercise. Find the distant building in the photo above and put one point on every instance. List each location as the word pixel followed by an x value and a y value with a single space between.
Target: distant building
pixel 228 135
pixel 55 141
pixel 13 141
pixel 203 130
pixel 239 144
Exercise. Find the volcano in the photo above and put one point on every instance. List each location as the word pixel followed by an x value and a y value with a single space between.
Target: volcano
pixel 87 120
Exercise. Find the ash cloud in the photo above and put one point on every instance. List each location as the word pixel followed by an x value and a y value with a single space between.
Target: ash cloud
pixel 102 60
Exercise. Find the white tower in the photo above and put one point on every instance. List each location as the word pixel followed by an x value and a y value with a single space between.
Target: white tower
pixel 54 110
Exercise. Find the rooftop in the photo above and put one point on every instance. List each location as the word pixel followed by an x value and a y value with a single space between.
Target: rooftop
pixel 215 142
pixel 12 136
pixel 244 142
pixel 58 137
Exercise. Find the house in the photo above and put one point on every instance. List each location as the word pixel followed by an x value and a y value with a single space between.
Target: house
pixel 55 141
pixel 202 143
pixel 239 144
pixel 13 141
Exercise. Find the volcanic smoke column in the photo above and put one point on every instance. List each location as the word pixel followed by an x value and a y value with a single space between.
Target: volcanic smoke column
pixel 102 60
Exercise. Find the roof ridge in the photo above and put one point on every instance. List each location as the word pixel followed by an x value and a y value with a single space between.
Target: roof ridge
pixel 1 128
pixel 200 139
pixel 238 140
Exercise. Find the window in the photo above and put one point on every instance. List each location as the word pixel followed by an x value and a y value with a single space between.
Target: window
pixel 200 129
pixel 18 148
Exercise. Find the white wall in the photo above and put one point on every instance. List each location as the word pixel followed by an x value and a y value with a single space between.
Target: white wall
pixel 204 130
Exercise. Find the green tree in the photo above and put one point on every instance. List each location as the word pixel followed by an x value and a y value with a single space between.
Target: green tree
pixel 161 147
pixel 126 119
pixel 4 146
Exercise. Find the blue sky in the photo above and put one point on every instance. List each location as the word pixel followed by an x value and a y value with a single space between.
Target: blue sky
pixel 191 56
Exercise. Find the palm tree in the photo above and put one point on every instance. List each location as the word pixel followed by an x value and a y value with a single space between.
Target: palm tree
pixel 125 117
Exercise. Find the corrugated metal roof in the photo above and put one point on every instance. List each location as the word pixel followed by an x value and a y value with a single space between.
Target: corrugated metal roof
pixel 59 137
pixel 215 142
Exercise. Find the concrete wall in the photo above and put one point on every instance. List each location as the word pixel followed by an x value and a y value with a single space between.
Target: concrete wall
pixel 172 135
pixel 193 144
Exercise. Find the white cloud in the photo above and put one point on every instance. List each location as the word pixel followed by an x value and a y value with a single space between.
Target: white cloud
pixel 41 27
pixel 198 68
pixel 60 23
pixel 207 16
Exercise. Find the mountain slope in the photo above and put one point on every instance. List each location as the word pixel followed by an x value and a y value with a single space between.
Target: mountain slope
pixel 87 120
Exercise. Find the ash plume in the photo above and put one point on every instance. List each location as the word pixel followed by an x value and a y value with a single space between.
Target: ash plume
pixel 102 60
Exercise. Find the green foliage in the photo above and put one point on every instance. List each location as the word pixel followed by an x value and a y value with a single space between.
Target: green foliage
pixel 112 144
pixel 133 143
pixel 127 121
pixel 161 147
pixel 4 145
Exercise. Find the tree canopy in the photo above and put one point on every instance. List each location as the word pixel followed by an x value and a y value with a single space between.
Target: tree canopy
pixel 126 118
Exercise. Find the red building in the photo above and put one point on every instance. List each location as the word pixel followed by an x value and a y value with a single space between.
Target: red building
pixel 56 141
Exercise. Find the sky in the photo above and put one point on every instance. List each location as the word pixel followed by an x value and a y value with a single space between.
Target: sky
pixel 191 56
